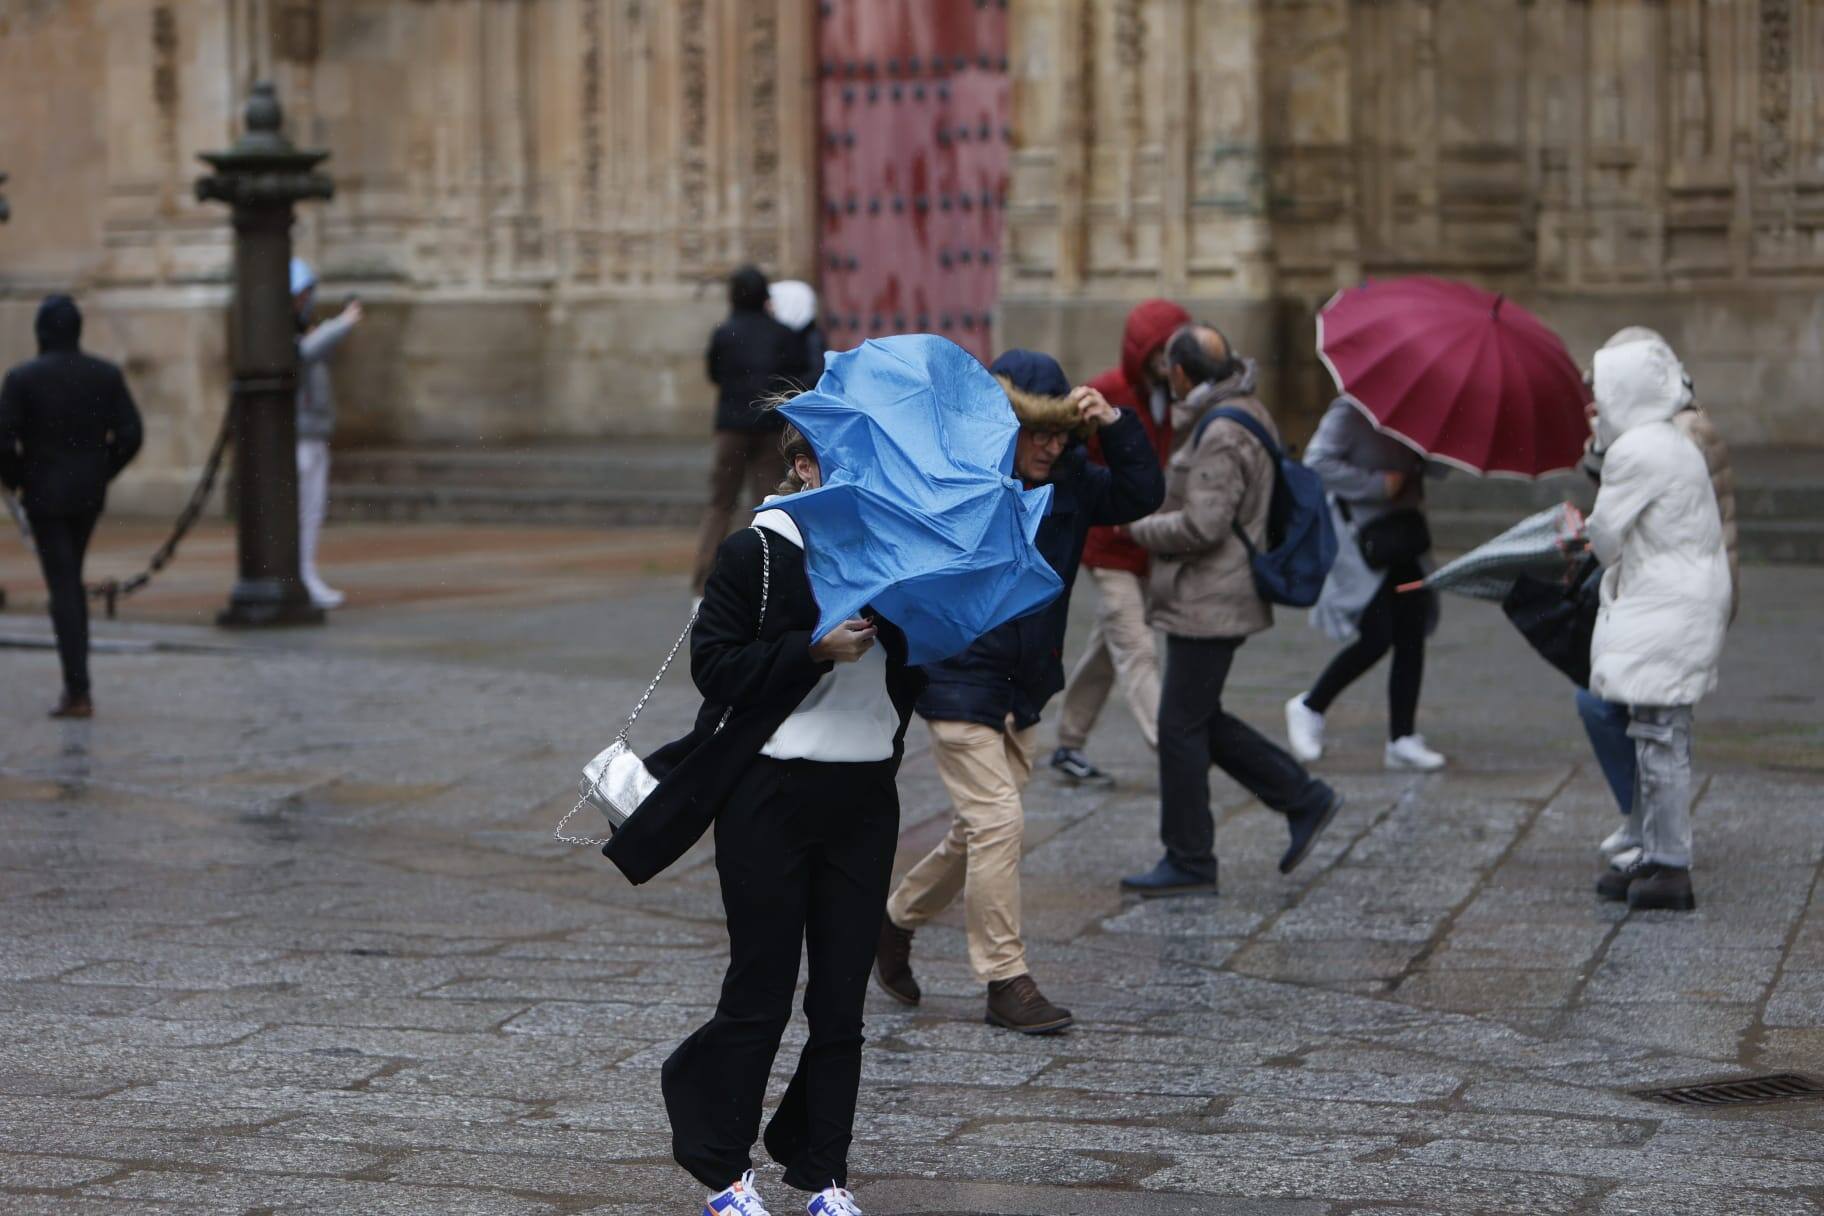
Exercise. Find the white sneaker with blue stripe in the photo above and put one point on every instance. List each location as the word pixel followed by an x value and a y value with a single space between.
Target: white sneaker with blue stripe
pixel 833 1201
pixel 740 1199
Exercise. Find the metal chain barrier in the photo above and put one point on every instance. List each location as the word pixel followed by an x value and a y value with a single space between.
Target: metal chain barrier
pixel 115 590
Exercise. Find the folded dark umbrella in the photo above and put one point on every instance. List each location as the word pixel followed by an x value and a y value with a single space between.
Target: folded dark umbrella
pixel 1534 546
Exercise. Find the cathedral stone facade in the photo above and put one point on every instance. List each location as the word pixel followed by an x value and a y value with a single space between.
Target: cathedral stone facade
pixel 538 199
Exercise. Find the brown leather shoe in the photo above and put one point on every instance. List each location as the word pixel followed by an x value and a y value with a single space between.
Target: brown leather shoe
pixel 893 963
pixel 1017 1004
pixel 73 707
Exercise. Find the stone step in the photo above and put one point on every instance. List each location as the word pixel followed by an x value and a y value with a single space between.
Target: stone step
pixel 629 467
pixel 1761 540
pixel 486 504
pixel 1779 494
pixel 1772 500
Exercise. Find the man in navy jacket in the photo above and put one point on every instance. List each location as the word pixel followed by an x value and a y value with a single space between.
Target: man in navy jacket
pixel 983 705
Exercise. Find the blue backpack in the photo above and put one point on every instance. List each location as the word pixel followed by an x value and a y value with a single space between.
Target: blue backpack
pixel 1301 542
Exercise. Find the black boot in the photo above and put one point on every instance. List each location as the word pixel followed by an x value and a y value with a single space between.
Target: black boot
pixel 1661 888
pixel 893 963
pixel 1613 883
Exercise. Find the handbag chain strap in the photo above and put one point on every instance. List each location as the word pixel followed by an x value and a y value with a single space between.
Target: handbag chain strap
pixel 766 584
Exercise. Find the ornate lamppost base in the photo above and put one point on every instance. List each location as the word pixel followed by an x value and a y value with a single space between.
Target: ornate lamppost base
pixel 260 604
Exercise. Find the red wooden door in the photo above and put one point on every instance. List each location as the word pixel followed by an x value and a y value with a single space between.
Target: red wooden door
pixel 914 114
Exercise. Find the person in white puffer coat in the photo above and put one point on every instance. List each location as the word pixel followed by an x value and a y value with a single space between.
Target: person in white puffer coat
pixel 1666 596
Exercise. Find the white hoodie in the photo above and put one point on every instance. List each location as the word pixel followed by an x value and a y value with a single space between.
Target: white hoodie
pixel 1655 527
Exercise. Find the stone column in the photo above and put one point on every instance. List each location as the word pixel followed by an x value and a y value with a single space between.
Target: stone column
pixel 261 176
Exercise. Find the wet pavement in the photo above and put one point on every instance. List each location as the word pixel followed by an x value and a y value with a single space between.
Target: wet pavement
pixel 284 930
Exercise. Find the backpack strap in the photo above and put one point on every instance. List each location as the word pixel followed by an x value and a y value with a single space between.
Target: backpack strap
pixel 1247 421
pixel 1252 425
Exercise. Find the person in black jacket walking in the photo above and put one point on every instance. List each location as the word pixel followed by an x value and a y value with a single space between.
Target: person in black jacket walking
pixel 68 426
pixel 983 705
pixel 751 357
pixel 800 780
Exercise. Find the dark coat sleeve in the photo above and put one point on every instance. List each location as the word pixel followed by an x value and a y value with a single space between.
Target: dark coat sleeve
pixel 12 427
pixel 729 664
pixel 1132 485
pixel 125 432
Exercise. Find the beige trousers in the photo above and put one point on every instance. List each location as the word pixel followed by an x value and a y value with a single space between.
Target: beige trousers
pixel 1121 650
pixel 984 769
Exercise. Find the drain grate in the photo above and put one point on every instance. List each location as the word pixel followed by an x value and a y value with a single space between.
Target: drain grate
pixel 1779 1087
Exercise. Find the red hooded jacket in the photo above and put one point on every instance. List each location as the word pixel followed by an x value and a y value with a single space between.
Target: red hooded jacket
pixel 1149 325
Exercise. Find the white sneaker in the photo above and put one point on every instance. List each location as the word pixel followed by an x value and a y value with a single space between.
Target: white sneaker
pixel 1304 730
pixel 740 1199
pixel 1618 842
pixel 1411 753
pixel 833 1201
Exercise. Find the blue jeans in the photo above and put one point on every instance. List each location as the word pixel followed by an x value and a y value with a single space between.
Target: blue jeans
pixel 1607 725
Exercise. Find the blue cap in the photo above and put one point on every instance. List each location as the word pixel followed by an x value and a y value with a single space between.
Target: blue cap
pixel 1032 372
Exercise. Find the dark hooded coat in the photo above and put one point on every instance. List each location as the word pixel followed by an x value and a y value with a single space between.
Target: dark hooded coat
pixel 751 357
pixel 1016 667
pixel 68 424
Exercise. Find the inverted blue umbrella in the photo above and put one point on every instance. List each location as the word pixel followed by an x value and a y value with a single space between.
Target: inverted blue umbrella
pixel 919 514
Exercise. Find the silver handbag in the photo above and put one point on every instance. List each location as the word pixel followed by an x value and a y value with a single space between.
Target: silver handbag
pixel 617 781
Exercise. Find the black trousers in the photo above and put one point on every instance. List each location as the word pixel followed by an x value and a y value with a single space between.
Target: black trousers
pixel 1195 732
pixel 63 541
pixel 1390 622
pixel 805 853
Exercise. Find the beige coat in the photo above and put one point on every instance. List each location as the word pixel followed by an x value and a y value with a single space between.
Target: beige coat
pixel 1201 583
pixel 1696 426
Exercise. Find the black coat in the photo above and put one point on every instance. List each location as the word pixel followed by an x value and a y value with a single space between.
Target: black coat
pixel 751 357
pixel 68 424
pixel 764 679
pixel 1018 666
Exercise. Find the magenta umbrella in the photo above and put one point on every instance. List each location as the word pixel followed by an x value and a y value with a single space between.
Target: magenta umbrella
pixel 1462 375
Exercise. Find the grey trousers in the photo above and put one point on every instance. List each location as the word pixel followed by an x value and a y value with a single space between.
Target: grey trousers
pixel 1662 782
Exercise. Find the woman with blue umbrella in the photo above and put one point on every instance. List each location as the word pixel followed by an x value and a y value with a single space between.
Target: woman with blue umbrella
pixel 898 537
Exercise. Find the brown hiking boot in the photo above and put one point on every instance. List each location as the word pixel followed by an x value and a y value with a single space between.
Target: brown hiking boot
pixel 893 963
pixel 1017 1004
pixel 73 707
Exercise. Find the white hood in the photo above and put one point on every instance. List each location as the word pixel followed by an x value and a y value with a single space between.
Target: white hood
pixel 1637 383
pixel 794 303
pixel 1666 594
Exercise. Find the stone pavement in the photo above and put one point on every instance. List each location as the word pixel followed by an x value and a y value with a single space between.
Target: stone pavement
pixel 284 930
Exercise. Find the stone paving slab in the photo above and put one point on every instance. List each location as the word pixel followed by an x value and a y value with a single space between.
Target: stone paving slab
pixel 284 931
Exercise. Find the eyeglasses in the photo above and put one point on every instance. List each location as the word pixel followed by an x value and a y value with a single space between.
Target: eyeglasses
pixel 1050 439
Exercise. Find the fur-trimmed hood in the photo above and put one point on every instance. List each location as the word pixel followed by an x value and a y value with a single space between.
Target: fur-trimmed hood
pixel 1039 391
pixel 1045 413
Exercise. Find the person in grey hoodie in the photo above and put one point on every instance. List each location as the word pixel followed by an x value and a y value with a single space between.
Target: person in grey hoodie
pixel 1370 476
pixel 316 423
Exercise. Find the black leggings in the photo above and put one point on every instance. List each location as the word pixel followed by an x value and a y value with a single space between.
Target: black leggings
pixel 804 851
pixel 1390 622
